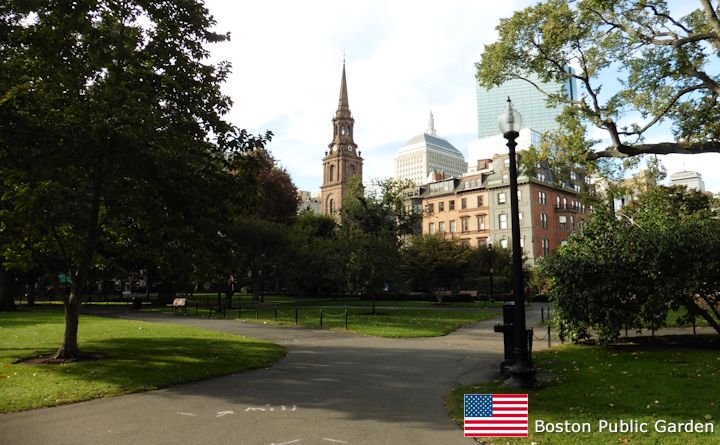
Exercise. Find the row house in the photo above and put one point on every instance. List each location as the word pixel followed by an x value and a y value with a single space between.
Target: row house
pixel 475 209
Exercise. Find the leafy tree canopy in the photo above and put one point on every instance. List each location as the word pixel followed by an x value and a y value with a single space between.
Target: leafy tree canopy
pixel 627 270
pixel 112 137
pixel 667 67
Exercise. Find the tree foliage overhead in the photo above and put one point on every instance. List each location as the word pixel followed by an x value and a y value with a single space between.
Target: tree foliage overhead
pixel 112 137
pixel 667 67
pixel 628 270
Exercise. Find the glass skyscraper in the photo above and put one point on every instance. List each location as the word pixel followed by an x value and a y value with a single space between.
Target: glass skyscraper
pixel 530 102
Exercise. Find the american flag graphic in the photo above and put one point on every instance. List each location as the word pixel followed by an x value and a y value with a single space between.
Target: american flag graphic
pixel 496 415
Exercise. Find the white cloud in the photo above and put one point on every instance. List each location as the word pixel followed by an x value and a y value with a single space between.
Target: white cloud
pixel 287 60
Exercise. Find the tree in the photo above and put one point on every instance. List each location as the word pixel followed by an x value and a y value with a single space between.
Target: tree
pixel 317 261
pixel 630 269
pixel 667 66
pixel 110 126
pixel 433 263
pixel 374 223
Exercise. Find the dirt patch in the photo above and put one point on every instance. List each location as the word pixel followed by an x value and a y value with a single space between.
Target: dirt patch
pixel 50 360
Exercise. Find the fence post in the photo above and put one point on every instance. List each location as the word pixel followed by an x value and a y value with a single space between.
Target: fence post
pixel 346 317
pixel 542 315
pixel 276 313
pixel 296 316
pixel 210 306
pixel 548 335
pixel 321 317
pixel 694 332
pixel 257 311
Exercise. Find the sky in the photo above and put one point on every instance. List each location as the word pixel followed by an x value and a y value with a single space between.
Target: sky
pixel 402 58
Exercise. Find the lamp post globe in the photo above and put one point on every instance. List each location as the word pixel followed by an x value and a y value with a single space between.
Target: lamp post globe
pixel 522 375
pixel 510 121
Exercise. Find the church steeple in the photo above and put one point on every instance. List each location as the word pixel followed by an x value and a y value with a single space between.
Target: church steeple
pixel 342 161
pixel 343 123
pixel 343 104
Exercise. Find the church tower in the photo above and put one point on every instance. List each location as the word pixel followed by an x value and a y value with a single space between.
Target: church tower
pixel 342 161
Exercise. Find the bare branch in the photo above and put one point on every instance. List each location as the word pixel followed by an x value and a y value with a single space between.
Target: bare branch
pixel 713 19
pixel 660 148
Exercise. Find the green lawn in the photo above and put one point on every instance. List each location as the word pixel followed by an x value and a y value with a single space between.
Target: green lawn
pixel 140 356
pixel 587 384
pixel 394 323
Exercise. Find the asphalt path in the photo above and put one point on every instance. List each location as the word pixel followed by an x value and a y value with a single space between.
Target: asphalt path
pixel 332 388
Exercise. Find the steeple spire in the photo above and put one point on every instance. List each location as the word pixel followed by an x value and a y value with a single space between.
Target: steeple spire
pixel 343 104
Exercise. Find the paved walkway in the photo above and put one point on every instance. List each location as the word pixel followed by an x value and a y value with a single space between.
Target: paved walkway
pixel 332 388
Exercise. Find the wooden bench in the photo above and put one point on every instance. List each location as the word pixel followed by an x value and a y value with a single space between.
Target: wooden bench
pixel 178 303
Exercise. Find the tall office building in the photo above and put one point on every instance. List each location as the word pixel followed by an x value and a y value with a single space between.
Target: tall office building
pixel 427 153
pixel 691 180
pixel 530 102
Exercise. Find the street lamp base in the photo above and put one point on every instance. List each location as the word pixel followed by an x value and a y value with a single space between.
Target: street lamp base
pixel 522 377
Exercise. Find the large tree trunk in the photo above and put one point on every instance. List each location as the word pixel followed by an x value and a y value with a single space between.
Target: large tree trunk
pixel 705 313
pixel 7 290
pixel 69 347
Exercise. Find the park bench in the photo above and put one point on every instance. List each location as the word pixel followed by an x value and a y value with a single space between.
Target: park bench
pixel 178 303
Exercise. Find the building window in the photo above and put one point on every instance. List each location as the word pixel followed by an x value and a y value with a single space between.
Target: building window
pixel 544 220
pixel 541 177
pixel 564 203
pixel 332 206
pixel 562 220
pixel 479 201
pixel 542 197
pixel 557 201
pixel 465 243
pixel 332 173
pixel 572 222
pixel 463 203
pixel 453 228
pixel 501 198
pixel 431 228
pixel 431 208
pixel 481 222
pixel 504 243
pixel 502 221
pixel 441 206
pixel 464 224
pixel 451 204
pixel 545 247
pixel 520 220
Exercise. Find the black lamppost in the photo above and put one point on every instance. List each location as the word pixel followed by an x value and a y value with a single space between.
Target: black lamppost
pixel 521 373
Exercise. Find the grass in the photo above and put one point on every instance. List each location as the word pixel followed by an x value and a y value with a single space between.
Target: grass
pixel 140 356
pixel 394 323
pixel 672 319
pixel 588 383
